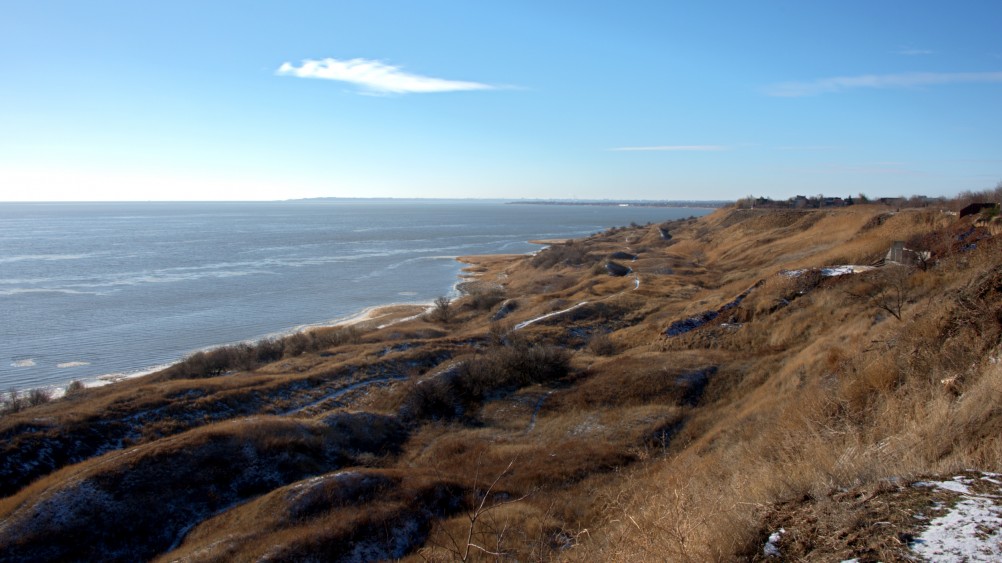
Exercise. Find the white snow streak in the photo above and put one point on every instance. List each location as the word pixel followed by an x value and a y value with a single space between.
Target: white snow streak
pixel 524 324
pixel 970 531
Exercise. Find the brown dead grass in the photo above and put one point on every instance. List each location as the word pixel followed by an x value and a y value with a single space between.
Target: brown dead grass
pixel 855 400
pixel 668 448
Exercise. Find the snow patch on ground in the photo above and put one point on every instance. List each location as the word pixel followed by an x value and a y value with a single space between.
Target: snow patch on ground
pixel 970 531
pixel 524 324
pixel 831 271
pixel 692 323
pixel 771 548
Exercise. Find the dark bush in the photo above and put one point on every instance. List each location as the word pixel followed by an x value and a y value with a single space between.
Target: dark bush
pixel 212 363
pixel 602 345
pixel 432 399
pixel 199 365
pixel 498 331
pixel 38 397
pixel 215 362
pixel 441 312
pixel 74 387
pixel 485 299
pixel 13 402
pixel 503 368
pixel 570 253
pixel 296 344
pixel 242 357
pixel 500 369
pixel 340 336
pixel 268 350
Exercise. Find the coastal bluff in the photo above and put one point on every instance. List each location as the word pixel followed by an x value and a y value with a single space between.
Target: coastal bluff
pixel 751 385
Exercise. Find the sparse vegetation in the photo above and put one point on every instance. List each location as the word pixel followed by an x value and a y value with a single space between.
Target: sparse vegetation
pixel 246 357
pixel 12 402
pixel 74 387
pixel 486 298
pixel 571 253
pixel 630 441
pixel 441 312
pixel 886 289
pixel 501 369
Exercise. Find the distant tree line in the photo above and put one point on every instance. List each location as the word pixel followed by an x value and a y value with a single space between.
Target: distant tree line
pixel 714 203
pixel 963 199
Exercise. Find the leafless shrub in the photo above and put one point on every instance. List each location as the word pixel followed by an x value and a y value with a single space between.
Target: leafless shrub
pixel 244 356
pixel 74 387
pixel 12 402
pixel 441 312
pixel 965 198
pixel 296 344
pixel 485 299
pixel 473 544
pixel 512 366
pixel 268 350
pixel 38 397
pixel 571 253
pixel 210 363
pixel 501 369
pixel 498 332
pixel 15 401
pixel 432 399
pixel 885 289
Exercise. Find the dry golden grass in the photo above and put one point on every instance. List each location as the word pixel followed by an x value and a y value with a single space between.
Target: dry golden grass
pixel 854 401
pixel 323 515
pixel 649 447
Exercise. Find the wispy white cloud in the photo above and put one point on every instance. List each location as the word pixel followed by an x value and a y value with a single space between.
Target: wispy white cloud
pixel 375 76
pixel 672 148
pixel 901 80
pixel 912 52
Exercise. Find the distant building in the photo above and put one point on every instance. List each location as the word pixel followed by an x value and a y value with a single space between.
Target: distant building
pixel 900 255
pixel 976 208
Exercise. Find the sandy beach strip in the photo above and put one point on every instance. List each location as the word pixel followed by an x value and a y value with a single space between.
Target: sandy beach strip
pixel 488 266
pixel 380 316
pixel 371 318
pixel 479 264
pixel 487 259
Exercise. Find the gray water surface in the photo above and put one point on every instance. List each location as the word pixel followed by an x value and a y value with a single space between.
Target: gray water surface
pixel 91 289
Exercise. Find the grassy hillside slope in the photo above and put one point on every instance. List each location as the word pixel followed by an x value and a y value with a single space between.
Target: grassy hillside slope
pixel 736 378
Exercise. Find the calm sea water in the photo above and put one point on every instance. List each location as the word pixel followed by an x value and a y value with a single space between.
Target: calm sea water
pixel 97 289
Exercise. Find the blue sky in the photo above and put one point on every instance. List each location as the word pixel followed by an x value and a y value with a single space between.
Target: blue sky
pixel 222 100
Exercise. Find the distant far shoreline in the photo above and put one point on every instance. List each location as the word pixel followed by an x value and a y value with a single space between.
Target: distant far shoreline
pixel 707 204
pixel 713 204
